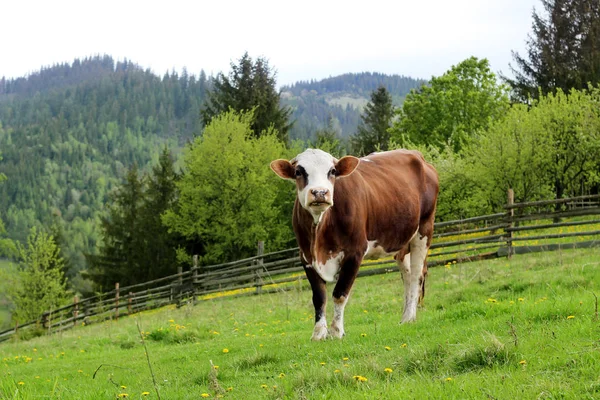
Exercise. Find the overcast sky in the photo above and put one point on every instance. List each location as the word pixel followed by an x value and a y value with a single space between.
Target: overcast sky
pixel 302 40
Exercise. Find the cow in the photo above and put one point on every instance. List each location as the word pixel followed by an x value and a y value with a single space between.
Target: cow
pixel 352 209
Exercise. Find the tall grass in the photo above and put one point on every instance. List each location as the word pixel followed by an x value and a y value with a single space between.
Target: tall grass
pixel 524 328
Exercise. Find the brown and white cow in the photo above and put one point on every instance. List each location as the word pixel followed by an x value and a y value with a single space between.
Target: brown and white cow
pixel 351 209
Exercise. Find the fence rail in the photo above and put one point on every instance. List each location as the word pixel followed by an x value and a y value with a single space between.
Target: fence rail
pixel 522 228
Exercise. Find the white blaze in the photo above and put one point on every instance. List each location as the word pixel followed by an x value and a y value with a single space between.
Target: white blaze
pixel 317 165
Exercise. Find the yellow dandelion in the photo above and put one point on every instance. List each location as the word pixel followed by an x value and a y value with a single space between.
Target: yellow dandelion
pixel 521 299
pixel 80 371
pixel 215 366
pixel 82 351
pixel 388 348
pixel 345 359
pixel 365 311
pixel 123 395
pixel 263 386
pixel 21 383
pixel 225 350
pixel 404 345
pixel 229 389
pixel 388 370
pixel 448 379
pixel 337 371
pixel 205 395
pixel 570 317
pixel 363 335
pixel 123 387
pixel 261 345
pixel 145 393
pixel 274 386
pixel 171 320
pixel 322 363
pixel 34 350
pixel 37 377
pixel 522 362
pixel 282 375
pixel 359 378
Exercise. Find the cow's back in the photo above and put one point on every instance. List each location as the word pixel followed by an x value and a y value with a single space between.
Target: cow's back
pixel 389 194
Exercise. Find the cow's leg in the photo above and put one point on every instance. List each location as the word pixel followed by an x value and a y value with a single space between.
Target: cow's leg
pixel 341 293
pixel 319 298
pixel 412 274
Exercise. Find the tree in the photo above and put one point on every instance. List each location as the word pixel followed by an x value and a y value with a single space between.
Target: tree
pixel 373 132
pixel 8 248
pixel 40 285
pixel 228 197
pixel 121 259
pixel 159 252
pixel 251 85
pixel 453 107
pixel 562 53
pixel 328 139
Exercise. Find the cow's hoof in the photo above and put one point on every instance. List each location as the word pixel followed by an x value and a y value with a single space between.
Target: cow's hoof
pixel 319 333
pixel 336 332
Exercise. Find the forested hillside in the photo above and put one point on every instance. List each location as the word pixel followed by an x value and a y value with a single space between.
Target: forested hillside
pixel 340 100
pixel 68 133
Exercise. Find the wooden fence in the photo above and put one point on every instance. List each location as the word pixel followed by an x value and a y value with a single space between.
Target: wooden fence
pixel 521 228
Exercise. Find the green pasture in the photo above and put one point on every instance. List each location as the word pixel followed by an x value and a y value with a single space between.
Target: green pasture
pixel 523 328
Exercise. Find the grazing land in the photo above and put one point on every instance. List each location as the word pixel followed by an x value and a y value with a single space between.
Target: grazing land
pixel 520 328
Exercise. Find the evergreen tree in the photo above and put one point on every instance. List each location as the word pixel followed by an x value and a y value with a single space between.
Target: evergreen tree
pixel 159 245
pixel 250 86
pixel 373 134
pixel 121 259
pixel 40 285
pixel 563 52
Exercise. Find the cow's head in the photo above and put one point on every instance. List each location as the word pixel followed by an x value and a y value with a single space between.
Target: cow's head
pixel 315 172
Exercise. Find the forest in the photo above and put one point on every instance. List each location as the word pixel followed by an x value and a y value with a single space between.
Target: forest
pixel 111 173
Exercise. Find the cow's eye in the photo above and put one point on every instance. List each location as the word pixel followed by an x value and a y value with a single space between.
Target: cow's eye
pixel 332 172
pixel 298 173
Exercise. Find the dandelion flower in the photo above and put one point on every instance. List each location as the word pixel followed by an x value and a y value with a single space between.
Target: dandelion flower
pixel 123 395
pixel 322 363
pixel 388 370
pixel 522 362
pixel 171 320
pixel 345 359
pixel 123 387
pixel 570 317
pixel 21 383
pixel 205 395
pixel 363 335
pixel 80 371
pixel 229 389
pixel 215 366
pixel 282 375
pixel 521 299
pixel 225 350
pixel 404 345
pixel 145 393
pixel 337 371
pixel 388 348
pixel 263 386
pixel 359 378
pixel 448 379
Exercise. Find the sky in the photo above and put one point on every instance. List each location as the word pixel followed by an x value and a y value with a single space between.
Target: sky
pixel 302 40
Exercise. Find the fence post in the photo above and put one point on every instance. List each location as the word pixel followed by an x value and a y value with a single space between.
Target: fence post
pixel 259 262
pixel 129 303
pixel 45 320
pixel 194 277
pixel 117 301
pixel 75 309
pixel 510 214
pixel 178 294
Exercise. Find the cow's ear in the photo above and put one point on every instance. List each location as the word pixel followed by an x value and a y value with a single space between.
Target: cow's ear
pixel 346 165
pixel 284 169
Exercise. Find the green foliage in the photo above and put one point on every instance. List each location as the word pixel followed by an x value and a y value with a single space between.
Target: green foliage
pixel 328 139
pixel 250 86
pixel 453 107
pixel 547 149
pixel 8 248
pixel 562 53
pixel 228 197
pixel 39 283
pixel 373 134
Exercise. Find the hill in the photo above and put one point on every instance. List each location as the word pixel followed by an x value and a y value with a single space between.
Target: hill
pixel 340 99
pixel 69 132
pixel 522 328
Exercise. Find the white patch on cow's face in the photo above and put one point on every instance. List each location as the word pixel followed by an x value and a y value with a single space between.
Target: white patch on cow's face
pixel 330 268
pixel 317 195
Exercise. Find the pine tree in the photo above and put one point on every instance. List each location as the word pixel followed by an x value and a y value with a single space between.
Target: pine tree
pixel 563 51
pixel 251 85
pixel 119 259
pixel 373 134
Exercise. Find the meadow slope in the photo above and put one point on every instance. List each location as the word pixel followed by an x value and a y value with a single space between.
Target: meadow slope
pixel 502 329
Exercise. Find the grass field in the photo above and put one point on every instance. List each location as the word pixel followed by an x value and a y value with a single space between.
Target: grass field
pixel 525 328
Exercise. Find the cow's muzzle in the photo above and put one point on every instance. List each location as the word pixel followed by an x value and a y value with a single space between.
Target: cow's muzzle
pixel 319 198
